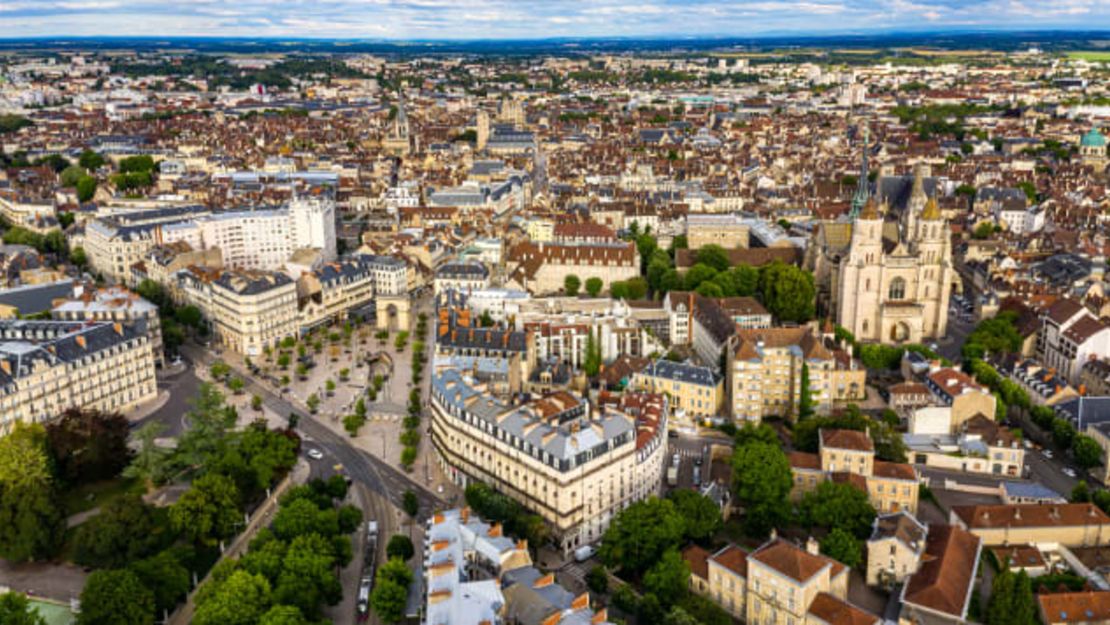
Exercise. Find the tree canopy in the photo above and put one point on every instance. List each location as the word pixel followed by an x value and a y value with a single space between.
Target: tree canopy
pixel 641 533
pixel 116 597
pixel 762 480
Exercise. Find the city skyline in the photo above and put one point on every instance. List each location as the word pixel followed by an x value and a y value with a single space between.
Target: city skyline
pixel 530 19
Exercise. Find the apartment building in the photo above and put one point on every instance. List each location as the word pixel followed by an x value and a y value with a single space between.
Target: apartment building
pixel 335 291
pixel 117 240
pixel 940 590
pixel 962 394
pixel 49 366
pixel 1071 336
pixel 1068 524
pixel 474 575
pixel 573 466
pixel 764 373
pixel 978 445
pixel 894 548
pixel 720 577
pixel 115 304
pixel 247 310
pixel 849 456
pixel 694 392
pixel 462 277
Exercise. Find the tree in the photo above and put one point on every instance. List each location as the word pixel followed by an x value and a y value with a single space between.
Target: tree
pixel 842 546
pixel 23 457
pixel 240 599
pixel 640 534
pixel 283 615
pixel 1087 451
pixel 208 511
pixel 751 432
pixel 983 231
pixel 391 590
pixel 15 609
pixel 70 175
pixel 788 292
pixel 698 274
pixel 307 579
pixel 762 480
pixel 669 578
pixel 713 256
pixel 78 257
pixel 210 420
pixel 256 402
pixel 632 288
pixel 88 445
pixel 31 520
pixel 1011 600
pixel 301 516
pixel 571 284
pixel 839 504
pixel 592 363
pixel 805 396
pixel 86 188
pixel 116 597
pixel 188 316
pixel 1063 432
pixel 678 616
pixel 125 530
pixel 313 403
pixel 255 458
pixel 410 504
pixel 166 577
pixel 594 286
pixel 700 515
pixel 400 546
pixel 90 160
pixel 598 579
pixel 152 463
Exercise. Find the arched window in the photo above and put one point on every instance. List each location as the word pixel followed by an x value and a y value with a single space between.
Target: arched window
pixel 897 289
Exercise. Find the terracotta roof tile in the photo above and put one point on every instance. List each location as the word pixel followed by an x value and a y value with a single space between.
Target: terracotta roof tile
pixel 852 440
pixel 943 581
pixel 836 612
pixel 734 559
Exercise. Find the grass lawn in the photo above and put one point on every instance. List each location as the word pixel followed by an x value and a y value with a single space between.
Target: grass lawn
pixel 1090 55
pixel 53 613
pixel 88 496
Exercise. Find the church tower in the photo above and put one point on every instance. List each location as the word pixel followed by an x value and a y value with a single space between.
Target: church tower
pixel 861 274
pixel 933 247
pixel 859 199
pixel 483 129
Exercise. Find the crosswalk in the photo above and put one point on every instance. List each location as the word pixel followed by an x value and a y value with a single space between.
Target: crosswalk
pixel 687 454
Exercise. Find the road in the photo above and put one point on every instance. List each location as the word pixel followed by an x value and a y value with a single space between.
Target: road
pixel 182 387
pixel 368 470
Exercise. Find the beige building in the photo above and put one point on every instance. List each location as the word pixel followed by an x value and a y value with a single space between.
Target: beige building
pixel 115 304
pixel 541 268
pixel 49 366
pixel 963 394
pixel 698 392
pixel 849 456
pixel 575 467
pixel 894 549
pixel 247 310
pixel 779 583
pixel 727 231
pixel 764 369
pixel 334 291
pixel 940 591
pixel 1068 524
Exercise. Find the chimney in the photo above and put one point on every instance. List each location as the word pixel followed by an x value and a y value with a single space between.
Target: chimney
pixel 118 328
pixel 812 546
pixel 81 341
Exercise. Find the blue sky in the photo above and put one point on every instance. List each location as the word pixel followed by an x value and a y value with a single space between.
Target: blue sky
pixel 492 19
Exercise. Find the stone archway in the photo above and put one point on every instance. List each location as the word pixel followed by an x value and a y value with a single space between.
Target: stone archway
pixel 899 332
pixel 393 312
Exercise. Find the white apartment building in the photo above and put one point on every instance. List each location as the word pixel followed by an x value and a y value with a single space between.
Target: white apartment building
pixel 575 467
pixel 247 310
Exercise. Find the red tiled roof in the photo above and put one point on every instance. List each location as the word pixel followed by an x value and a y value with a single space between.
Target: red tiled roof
pixel 734 559
pixel 894 470
pixel 852 440
pixel 802 460
pixel 836 612
pixel 943 581
pixel 1075 607
pixel 793 561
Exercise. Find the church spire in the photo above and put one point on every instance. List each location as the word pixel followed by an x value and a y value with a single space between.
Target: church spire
pixel 859 199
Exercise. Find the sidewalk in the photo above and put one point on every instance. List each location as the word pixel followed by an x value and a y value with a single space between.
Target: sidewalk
pixel 144 410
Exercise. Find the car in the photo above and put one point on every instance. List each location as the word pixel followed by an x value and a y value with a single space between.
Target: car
pixel 584 553
pixel 1068 471
pixel 315 454
pixel 1047 453
pixel 672 433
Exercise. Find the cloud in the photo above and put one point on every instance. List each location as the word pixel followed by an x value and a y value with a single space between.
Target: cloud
pixel 509 19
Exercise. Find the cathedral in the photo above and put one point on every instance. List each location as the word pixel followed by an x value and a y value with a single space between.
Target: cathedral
pixel 884 275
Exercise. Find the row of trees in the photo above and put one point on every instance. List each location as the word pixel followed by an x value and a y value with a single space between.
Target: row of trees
pixel 289 571
pixel 496 507
pixel 410 433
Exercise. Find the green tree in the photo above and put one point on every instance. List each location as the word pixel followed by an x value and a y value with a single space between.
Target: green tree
pixel 1063 432
pixel 1087 451
pixel 301 517
pixel 79 258
pixel 839 504
pixel 842 546
pixel 678 616
pixel 713 256
pixel 313 403
pixel 762 480
pixel 24 458
pixel 805 396
pixel 669 578
pixel 88 445
pixel 208 511
pixel 698 274
pixel 15 609
pixel 210 420
pixel 307 578
pixel 116 597
pixel 571 284
pixel 597 579
pixel 240 599
pixel 125 530
pixel 751 432
pixel 400 546
pixel 86 188
pixel 283 615
pixel 788 292
pixel 391 591
pixel 166 578
pixel 640 534
pixel 1000 610
pixel 90 160
pixel 70 175
pixel 152 463
pixel 31 520
pixel 410 504
pixel 592 364
pixel 594 286
pixel 700 515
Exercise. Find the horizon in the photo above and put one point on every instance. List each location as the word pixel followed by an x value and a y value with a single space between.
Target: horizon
pixel 534 20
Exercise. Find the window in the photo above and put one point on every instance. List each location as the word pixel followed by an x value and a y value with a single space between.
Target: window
pixel 897 289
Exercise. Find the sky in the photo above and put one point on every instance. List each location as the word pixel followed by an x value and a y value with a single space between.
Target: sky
pixel 532 19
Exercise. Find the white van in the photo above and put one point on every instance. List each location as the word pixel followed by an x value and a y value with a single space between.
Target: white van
pixel 584 553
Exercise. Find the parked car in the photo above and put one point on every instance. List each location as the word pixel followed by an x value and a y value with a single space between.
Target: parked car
pixel 315 454
pixel 584 553
pixel 1070 472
